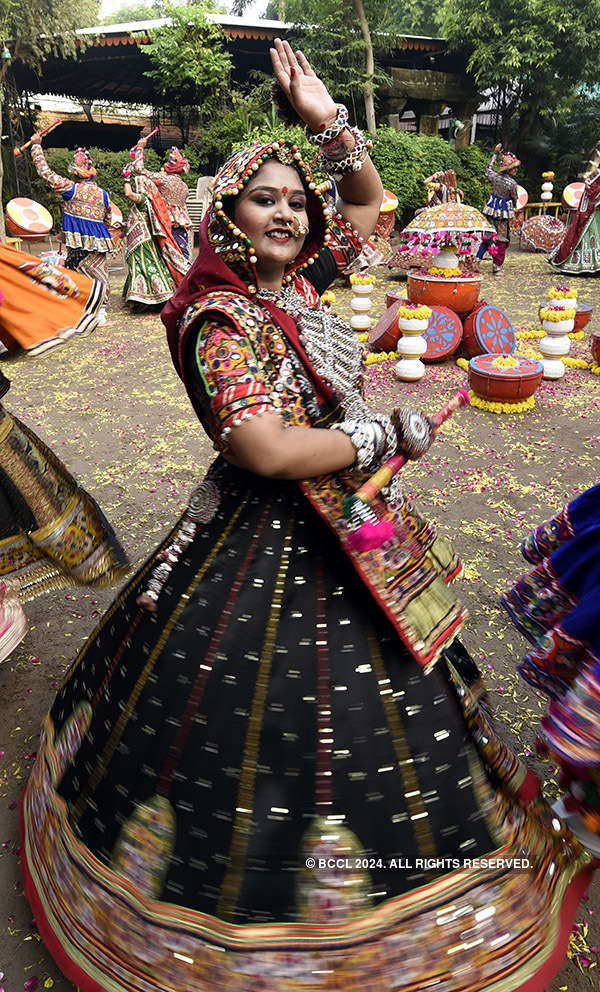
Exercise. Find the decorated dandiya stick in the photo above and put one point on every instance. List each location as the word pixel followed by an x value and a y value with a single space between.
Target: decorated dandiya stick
pixel 55 123
pixel 367 531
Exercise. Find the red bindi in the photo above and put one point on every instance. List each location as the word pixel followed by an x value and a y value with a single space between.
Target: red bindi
pixel 284 190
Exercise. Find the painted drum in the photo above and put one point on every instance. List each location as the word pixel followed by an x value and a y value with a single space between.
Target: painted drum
pixel 384 335
pixel 596 346
pixel 27 219
pixel 116 215
pixel 443 335
pixel 583 315
pixel 523 198
pixel 395 296
pixel 389 202
pixel 571 195
pixel 504 378
pixel 488 330
pixel 459 294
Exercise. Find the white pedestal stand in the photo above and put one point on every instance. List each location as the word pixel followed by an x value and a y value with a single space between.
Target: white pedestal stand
pixel 411 346
pixel 361 304
pixel 554 346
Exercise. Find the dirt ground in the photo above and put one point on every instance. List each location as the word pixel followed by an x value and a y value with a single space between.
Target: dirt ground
pixel 112 407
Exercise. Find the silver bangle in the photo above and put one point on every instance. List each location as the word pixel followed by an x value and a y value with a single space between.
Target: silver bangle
pixel 375 440
pixel 329 133
pixel 353 161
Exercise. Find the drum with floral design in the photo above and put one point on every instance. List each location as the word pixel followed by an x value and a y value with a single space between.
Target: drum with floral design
pixel 488 330
pixel 504 378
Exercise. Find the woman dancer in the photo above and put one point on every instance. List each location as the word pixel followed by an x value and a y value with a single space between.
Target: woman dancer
pixel 44 306
pixel 501 205
pixel 52 532
pixel 86 214
pixel 557 607
pixel 174 190
pixel 268 766
pixel 579 251
pixel 155 263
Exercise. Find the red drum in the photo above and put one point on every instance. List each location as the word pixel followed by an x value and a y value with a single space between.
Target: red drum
pixel 395 296
pixel 596 346
pixel 27 219
pixel 489 380
pixel 384 336
pixel 116 215
pixel 488 330
pixel 443 335
pixel 583 315
pixel 460 294
pixel 571 195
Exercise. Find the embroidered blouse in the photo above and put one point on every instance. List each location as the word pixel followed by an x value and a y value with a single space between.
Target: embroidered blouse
pixel 503 186
pixel 86 211
pixel 173 189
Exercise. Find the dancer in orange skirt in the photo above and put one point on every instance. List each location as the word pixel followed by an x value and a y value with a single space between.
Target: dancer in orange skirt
pixel 44 305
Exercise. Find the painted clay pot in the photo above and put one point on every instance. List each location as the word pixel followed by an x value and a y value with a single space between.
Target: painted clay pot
pixel 596 346
pixel 488 330
pixel 492 382
pixel 395 296
pixel 460 294
pixel 384 335
pixel 583 315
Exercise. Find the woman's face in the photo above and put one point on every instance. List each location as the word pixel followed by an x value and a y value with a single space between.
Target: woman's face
pixel 272 212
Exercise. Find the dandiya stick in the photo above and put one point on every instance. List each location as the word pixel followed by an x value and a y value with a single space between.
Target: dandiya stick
pixel 369 490
pixel 19 151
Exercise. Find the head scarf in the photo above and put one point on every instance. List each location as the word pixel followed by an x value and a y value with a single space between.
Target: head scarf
pixel 508 161
pixel 176 163
pixel 82 165
pixel 226 259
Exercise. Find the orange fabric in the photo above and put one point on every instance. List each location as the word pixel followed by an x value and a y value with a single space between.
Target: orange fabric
pixel 30 312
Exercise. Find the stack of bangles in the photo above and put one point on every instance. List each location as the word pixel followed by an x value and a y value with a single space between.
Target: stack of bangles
pixel 343 148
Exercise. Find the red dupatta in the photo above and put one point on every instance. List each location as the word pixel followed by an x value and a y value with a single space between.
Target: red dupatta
pixel 587 205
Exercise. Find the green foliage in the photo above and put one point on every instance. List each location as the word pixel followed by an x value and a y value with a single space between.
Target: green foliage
pixel 129 12
pixel 40 27
pixel 420 17
pixel 563 142
pixel 530 52
pixel 190 65
pixel 405 160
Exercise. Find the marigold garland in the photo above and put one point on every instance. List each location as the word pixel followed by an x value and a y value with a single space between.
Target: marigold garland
pixel 328 297
pixel 380 356
pixel 555 315
pixel 595 368
pixel 495 406
pixel 525 335
pixel 413 311
pixel 576 335
pixel 575 363
pixel 358 280
pixel 562 293
pixel 449 273
pixel 362 337
pixel 463 364
pixel 505 362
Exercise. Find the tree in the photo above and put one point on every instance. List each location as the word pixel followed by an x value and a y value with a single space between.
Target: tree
pixel 530 53
pixel 190 66
pixel 342 45
pixel 418 17
pixel 33 30
pixel 135 12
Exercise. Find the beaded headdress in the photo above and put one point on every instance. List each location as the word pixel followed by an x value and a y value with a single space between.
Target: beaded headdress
pixel 176 162
pixel 508 161
pixel 231 243
pixel 82 165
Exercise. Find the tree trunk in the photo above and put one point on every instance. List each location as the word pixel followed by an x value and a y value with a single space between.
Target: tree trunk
pixel 370 66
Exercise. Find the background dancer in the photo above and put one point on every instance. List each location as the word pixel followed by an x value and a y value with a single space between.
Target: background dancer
pixel 86 214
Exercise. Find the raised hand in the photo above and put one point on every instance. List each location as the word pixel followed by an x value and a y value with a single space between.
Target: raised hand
pixel 36 138
pixel 307 94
